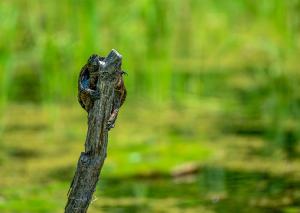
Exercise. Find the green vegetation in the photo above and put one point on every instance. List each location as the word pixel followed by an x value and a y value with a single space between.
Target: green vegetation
pixel 211 83
pixel 38 159
pixel 44 44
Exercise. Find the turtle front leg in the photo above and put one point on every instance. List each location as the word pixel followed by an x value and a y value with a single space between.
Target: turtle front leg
pixel 112 119
pixel 87 97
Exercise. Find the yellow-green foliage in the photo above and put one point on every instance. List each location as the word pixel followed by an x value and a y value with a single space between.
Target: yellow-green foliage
pixel 212 84
pixel 45 43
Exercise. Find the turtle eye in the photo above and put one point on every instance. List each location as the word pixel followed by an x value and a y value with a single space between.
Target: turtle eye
pixel 95 64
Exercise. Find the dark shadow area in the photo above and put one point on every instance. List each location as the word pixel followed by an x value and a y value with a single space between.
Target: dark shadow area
pixel 22 153
pixel 127 208
pixel 17 127
pixel 216 188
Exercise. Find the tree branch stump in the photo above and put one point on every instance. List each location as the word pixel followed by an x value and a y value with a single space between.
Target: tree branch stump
pixel 91 161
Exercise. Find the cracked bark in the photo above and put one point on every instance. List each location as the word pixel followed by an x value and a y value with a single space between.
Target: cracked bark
pixel 91 161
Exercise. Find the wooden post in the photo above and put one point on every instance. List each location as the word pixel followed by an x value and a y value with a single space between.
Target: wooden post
pixel 91 161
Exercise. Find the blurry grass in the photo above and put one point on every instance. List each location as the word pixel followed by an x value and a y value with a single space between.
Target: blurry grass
pixel 39 155
pixel 213 83
pixel 173 40
pixel 136 146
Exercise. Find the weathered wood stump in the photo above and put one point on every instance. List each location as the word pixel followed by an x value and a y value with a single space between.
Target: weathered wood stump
pixel 91 161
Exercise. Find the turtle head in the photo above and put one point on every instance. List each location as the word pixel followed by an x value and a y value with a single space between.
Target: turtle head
pixel 94 62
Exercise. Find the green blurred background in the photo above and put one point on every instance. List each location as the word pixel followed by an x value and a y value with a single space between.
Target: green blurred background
pixel 211 119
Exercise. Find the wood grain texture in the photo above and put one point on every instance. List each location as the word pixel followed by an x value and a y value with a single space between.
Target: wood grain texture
pixel 91 161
